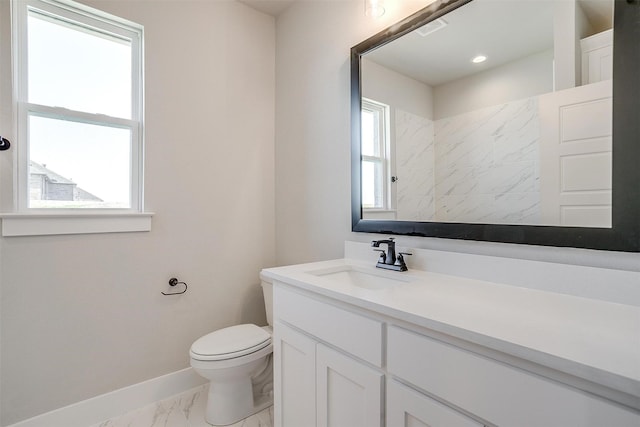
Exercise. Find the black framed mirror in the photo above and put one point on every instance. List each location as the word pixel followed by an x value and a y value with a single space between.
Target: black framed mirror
pixel 619 211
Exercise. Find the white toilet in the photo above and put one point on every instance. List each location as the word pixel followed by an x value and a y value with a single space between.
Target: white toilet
pixel 237 362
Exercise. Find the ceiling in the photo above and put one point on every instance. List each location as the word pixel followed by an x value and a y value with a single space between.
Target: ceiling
pixel 270 7
pixel 504 31
pixel 599 13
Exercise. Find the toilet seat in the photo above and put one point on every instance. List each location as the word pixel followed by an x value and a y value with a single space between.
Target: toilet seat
pixel 229 343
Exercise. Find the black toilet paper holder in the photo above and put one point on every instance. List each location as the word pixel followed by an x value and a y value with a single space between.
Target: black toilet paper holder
pixel 173 282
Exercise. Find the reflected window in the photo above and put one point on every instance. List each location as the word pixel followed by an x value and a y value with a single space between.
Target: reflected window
pixel 375 155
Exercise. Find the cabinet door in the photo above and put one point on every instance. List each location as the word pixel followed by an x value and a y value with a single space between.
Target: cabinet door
pixel 349 394
pixel 408 408
pixel 498 393
pixel 294 378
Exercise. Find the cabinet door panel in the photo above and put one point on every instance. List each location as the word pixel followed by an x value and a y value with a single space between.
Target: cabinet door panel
pixel 349 393
pixel 493 391
pixel 338 326
pixel 294 378
pixel 408 408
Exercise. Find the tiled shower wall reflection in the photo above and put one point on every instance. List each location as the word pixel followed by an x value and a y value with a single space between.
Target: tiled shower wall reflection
pixel 415 167
pixel 482 166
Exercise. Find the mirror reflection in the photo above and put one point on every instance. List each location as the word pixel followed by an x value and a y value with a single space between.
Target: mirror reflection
pixel 497 113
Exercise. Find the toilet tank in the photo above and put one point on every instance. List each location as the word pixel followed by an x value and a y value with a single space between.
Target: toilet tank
pixel 267 290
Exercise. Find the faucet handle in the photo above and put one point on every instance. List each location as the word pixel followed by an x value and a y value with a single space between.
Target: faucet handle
pixel 400 258
pixel 383 255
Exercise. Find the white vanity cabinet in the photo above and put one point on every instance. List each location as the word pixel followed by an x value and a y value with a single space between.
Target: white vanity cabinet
pixel 315 384
pixel 341 365
pixel 493 391
pixel 349 393
pixel 294 377
pixel 410 408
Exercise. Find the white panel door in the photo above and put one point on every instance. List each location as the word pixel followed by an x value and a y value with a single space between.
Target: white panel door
pixel 597 57
pixel 349 393
pixel 294 378
pixel 408 408
pixel 575 156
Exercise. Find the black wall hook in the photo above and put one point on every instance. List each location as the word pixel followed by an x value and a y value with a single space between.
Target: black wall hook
pixel 4 144
pixel 173 282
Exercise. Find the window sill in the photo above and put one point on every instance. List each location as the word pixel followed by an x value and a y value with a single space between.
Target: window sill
pixel 44 224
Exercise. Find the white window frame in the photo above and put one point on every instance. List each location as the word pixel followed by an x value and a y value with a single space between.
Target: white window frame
pixel 384 158
pixel 36 221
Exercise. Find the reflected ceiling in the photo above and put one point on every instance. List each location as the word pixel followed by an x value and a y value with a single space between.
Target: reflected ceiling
pixel 526 24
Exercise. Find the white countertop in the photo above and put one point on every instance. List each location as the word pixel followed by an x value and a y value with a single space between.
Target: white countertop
pixel 589 339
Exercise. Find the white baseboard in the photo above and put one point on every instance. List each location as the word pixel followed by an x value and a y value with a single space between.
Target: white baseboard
pixel 100 408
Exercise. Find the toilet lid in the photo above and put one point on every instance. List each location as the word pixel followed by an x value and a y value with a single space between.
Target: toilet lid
pixel 227 343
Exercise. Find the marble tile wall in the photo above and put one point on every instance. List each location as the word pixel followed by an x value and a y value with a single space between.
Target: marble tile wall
pixel 480 166
pixel 487 165
pixel 415 155
pixel 184 410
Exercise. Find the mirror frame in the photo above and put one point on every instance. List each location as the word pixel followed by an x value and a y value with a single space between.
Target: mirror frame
pixel 624 235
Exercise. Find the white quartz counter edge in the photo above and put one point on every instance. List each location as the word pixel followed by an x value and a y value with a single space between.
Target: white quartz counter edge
pixel 590 339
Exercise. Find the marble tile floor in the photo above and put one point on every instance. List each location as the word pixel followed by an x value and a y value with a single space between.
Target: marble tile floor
pixel 183 410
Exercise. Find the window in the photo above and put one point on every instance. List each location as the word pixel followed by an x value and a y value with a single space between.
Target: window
pixel 375 155
pixel 79 106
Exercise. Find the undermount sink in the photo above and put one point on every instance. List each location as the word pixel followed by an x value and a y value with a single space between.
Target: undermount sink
pixel 362 278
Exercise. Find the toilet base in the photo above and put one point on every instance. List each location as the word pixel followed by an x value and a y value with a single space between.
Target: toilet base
pixel 215 417
pixel 231 401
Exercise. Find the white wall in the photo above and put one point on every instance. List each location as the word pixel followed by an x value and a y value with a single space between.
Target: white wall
pixel 570 24
pixel 520 79
pixel 5 119
pixel 313 144
pixel 313 122
pixel 390 87
pixel 83 315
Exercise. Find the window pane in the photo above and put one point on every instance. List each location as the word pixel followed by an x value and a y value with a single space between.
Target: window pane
pixel 370 143
pixel 78 165
pixel 372 185
pixel 78 68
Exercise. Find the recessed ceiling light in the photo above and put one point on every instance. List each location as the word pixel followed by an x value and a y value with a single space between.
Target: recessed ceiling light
pixel 478 59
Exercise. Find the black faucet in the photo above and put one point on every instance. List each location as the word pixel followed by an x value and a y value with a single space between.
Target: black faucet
pixel 390 256
pixel 388 260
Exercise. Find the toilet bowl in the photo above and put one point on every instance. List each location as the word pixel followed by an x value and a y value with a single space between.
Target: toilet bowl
pixel 237 361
